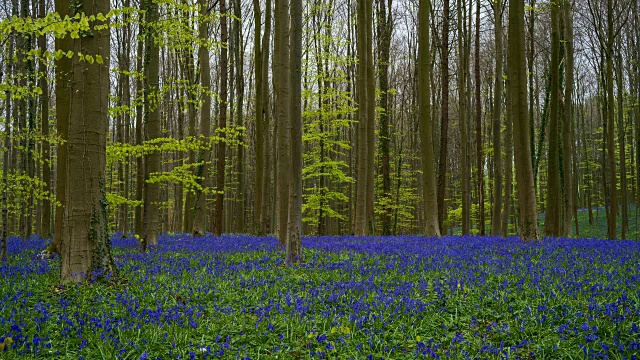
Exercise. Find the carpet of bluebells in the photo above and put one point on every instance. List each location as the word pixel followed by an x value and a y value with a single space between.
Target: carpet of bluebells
pixel 362 298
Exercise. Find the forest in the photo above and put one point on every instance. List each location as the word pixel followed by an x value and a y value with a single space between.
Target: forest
pixel 380 179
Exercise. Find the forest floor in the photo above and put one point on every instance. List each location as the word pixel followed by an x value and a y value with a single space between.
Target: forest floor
pixel 362 298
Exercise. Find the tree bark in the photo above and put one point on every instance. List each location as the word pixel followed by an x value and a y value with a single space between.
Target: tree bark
pixel 361 226
pixel 85 246
pixel 429 191
pixel 444 124
pixel 568 150
pixel 152 114
pixel 222 122
pixel 385 24
pixel 553 216
pixel 496 207
pixel 294 238
pixel 239 58
pixel 44 113
pixel 462 116
pixel 528 219
pixel 259 226
pixel 202 172
pixel 479 144
pixel 611 156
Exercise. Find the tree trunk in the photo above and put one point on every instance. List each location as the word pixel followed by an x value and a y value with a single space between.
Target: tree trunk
pixel 622 150
pixel 528 219
pixel 202 172
pixel 429 191
pixel 267 205
pixel 462 115
pixel 508 170
pixel 63 108
pixel 44 113
pixel 479 144
pixel 259 227
pixel 567 129
pixel 496 207
pixel 138 220
pixel 239 56
pixel 385 24
pixel 152 122
pixel 294 238
pixel 553 216
pixel 218 222
pixel 85 247
pixel 444 124
pixel 611 156
pixel 362 94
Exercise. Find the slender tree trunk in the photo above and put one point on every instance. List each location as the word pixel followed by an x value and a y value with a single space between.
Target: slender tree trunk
pixel 138 219
pixel 259 227
pixel 444 124
pixel 508 170
pixel 567 129
pixel 267 205
pixel 371 115
pixel 516 65
pixel 151 217
pixel 44 113
pixel 496 208
pixel 429 191
pixel 553 216
pixel 611 156
pixel 622 150
pixel 362 94
pixel 85 246
pixel 6 163
pixel 239 56
pixel 294 239
pixel 202 172
pixel 479 144
pixel 126 97
pixel 385 24
pixel 218 223
pixel 462 115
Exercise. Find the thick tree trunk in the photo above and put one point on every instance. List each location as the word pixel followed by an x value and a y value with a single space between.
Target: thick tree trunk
pixel 429 191
pixel 85 247
pixel 516 63
pixel 282 89
pixel 151 217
